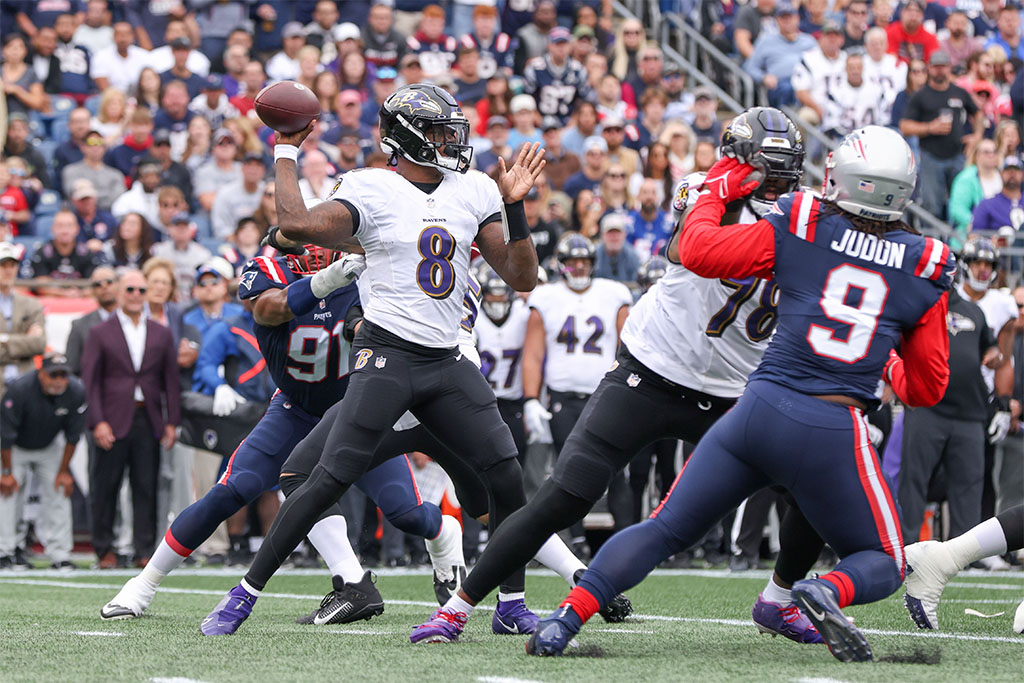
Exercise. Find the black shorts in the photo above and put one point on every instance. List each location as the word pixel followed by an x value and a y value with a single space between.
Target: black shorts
pixel 442 388
pixel 631 408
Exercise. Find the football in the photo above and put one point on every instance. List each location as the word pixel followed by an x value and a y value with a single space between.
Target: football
pixel 287 106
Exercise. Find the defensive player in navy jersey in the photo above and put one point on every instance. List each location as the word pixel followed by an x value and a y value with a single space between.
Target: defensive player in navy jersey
pixel 416 226
pixel 299 330
pixel 854 283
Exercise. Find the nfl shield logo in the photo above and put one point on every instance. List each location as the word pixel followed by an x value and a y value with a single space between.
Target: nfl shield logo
pixel 210 439
pixel 431 203
pixel 633 379
pixel 380 362
pixel 323 304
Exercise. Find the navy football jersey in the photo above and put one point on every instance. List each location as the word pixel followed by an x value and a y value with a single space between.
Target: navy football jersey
pixel 845 297
pixel 307 356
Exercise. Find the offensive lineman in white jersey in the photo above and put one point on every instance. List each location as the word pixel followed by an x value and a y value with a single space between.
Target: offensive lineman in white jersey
pixel 416 226
pixel 687 348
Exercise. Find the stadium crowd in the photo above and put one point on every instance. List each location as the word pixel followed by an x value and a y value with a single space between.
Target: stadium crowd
pixel 135 174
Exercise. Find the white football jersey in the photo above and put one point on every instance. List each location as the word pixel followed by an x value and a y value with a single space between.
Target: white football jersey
pixel 890 76
pixel 501 350
pixel 702 333
pixel 417 248
pixel 580 331
pixel 848 108
pixel 818 74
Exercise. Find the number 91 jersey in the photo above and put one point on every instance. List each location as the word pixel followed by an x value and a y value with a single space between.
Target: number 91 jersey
pixel 417 248
pixel 307 357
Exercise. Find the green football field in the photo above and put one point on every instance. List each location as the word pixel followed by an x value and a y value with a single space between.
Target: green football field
pixel 688 626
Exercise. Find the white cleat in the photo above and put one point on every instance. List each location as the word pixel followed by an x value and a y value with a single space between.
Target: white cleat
pixel 133 599
pixel 1018 618
pixel 933 566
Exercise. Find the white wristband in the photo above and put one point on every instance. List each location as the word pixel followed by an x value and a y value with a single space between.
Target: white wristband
pixel 286 152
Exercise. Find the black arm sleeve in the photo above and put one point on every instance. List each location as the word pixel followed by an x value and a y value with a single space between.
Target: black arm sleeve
pixel 352 318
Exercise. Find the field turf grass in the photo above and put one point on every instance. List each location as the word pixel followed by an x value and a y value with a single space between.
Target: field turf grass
pixel 690 626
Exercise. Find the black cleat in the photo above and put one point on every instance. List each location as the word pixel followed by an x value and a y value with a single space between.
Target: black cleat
pixel 844 640
pixel 348 602
pixel 615 611
pixel 443 589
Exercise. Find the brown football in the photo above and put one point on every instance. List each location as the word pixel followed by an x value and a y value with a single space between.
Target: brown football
pixel 287 106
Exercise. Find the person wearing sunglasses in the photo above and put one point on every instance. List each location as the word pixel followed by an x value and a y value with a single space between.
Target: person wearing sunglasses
pixel 42 421
pixel 103 288
pixel 129 394
pixel 108 181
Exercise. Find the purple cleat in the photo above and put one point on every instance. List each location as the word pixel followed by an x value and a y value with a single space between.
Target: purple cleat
pixel 512 618
pixel 444 627
pixel 779 620
pixel 230 612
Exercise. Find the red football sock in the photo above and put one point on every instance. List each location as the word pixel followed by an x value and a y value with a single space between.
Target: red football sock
pixel 583 603
pixel 842 584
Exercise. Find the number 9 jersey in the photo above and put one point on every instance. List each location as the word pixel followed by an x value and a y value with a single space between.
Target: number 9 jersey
pixel 417 248
pixel 307 357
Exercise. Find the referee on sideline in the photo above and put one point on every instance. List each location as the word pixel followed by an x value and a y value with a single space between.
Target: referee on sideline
pixel 37 407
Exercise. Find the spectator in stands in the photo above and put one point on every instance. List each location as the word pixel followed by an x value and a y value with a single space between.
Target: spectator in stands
pixel 94 32
pixel 587 211
pixel 679 138
pixel 183 251
pixel 383 86
pixel 917 76
pixel 532 39
pixel 171 172
pixel 74 61
pixel 326 88
pixel 410 70
pixel 614 258
pixel 497 49
pixel 13 201
pixel 147 90
pixel 775 56
pixel 986 22
pixel 813 16
pixel 614 133
pixel 595 163
pixel 524 119
pixel 614 189
pixel 584 44
pixel 347 41
pixel 22 328
pixel 853 102
pixel 957 43
pixel 32 17
pixel 170 202
pixel 111 116
pixel 908 39
pixel 1007 138
pixel 108 181
pixel 244 245
pixel 210 294
pixel 62 258
pixel 38 407
pixel 69 152
pixel 266 213
pixel 751 20
pixel 555 80
pixel 436 49
pixel 129 396
pixel 23 89
pixel 1008 34
pixel 132 243
pixel 649 72
pixel 142 197
pixel 469 87
pixel 236 57
pixel 240 198
pixel 980 69
pixel 161 58
pixel 44 59
pixel 284 65
pixel 939 114
pixel 253 80
pixel 705 123
pixel 497 137
pixel 705 154
pixel 18 145
pixel 821 69
pixel 118 65
pixel 856 24
pixel 651 227
pixel 320 31
pixel 198 146
pixel 383 45
pixel 103 288
pixel 125 157
pixel 543 233
pixel 561 163
pixel 181 48
pixel 316 181
pixel 309 65
pixel 354 74
pixel 999 210
pixel 979 180
pixel 213 103
pixel 94 226
pixel 174 114
pixel 596 66
pixel 882 69
pixel 656 166
pixel 653 106
pixel 350 110
pixel 219 171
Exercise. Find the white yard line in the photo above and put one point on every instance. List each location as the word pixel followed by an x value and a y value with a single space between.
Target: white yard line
pixel 415 603
pixel 173 679
pixel 97 633
pixel 504 679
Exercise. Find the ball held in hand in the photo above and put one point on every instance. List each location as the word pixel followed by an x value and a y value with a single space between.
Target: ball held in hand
pixel 287 106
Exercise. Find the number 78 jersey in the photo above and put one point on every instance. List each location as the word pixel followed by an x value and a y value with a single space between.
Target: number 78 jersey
pixel 845 297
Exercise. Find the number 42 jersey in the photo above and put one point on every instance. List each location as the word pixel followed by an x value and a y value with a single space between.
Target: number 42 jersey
pixel 307 356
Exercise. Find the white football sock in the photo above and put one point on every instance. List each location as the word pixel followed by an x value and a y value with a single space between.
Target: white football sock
pixel 982 541
pixel 249 589
pixel 330 538
pixel 510 597
pixel 446 548
pixel 164 561
pixel 457 604
pixel 773 592
pixel 556 556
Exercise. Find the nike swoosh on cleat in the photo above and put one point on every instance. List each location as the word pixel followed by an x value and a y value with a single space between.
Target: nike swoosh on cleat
pixel 815 613
pixel 514 628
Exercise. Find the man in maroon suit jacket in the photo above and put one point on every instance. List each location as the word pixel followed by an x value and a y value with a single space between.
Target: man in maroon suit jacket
pixel 130 371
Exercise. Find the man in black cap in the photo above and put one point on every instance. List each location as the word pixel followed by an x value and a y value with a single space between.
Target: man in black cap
pixel 180 49
pixel 945 118
pixel 171 171
pixel 37 408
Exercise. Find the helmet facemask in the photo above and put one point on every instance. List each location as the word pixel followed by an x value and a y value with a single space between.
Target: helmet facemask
pixel 577 272
pixel 439 143
pixel 782 169
pixel 315 259
pixel 976 283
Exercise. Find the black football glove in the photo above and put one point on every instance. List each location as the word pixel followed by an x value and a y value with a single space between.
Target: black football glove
pixel 271 241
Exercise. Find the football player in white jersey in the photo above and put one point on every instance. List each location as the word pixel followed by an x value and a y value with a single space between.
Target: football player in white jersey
pixel 687 348
pixel 416 226
pixel 500 333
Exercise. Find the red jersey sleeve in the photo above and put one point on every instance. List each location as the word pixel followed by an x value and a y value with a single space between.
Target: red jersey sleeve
pixel 920 377
pixel 710 249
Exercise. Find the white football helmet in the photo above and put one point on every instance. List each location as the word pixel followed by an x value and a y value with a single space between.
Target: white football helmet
pixel 871 173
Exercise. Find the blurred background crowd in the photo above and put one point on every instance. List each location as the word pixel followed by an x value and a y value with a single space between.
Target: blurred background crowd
pixel 130 148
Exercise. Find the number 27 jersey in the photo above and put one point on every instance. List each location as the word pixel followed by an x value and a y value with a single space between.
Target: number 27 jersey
pixel 306 356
